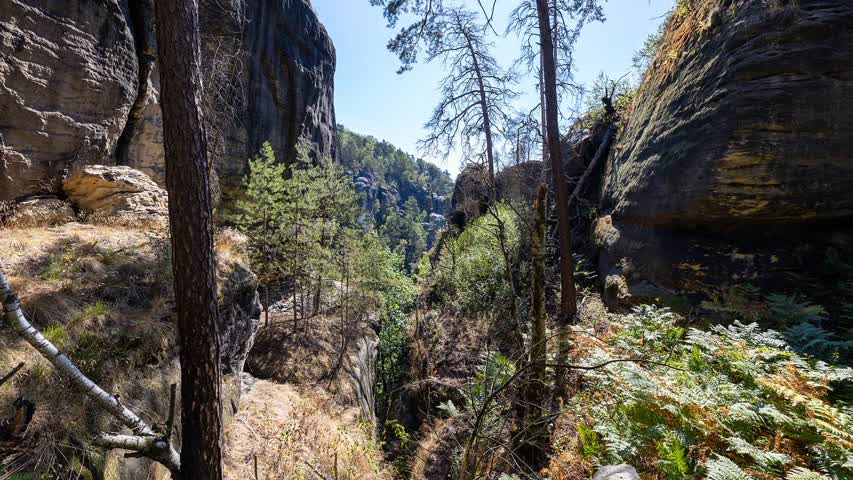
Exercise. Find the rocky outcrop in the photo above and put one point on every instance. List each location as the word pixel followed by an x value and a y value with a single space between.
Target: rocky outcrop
pixel 68 78
pixel 740 137
pixel 519 183
pixel 380 198
pixel 239 312
pixel 290 78
pixel 109 191
pixel 80 86
pixel 470 196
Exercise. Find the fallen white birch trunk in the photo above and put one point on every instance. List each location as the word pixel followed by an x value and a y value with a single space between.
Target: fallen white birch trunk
pixel 145 440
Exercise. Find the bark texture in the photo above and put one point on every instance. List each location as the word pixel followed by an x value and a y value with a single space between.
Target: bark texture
pixel 191 225
pixel 568 295
pixel 533 437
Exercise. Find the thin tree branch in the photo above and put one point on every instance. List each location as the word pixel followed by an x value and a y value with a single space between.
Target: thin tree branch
pixel 605 142
pixel 11 374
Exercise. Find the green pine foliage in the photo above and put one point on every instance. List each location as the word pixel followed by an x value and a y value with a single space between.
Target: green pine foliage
pixel 262 213
pixel 404 232
pixel 299 219
pixel 732 402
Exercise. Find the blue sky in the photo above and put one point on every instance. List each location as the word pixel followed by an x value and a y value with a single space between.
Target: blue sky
pixel 370 98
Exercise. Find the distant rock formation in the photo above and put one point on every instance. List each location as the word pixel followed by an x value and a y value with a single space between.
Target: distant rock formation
pixel 740 141
pixel 80 86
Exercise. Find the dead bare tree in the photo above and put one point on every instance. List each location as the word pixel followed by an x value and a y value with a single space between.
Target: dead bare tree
pixel 222 31
pixel 475 92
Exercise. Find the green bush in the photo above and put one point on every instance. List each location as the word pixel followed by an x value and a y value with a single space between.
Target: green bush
pixel 471 271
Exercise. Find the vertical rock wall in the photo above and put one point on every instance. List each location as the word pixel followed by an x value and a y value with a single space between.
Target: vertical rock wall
pixel 68 78
pixel 79 85
pixel 736 164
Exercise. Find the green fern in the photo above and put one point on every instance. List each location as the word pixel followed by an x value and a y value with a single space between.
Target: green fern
pixel 790 310
pixel 589 442
pixel 801 473
pixel 736 390
pixel 722 468
pixel 805 337
pixel 674 462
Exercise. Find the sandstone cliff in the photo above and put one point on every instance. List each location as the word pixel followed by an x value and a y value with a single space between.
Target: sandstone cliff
pixel 80 86
pixel 739 139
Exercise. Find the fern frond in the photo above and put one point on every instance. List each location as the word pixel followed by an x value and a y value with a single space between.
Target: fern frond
pixel 801 473
pixel 722 468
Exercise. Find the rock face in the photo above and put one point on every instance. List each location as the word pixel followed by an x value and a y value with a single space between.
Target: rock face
pixel 68 78
pixel 239 312
pixel 470 196
pixel 291 68
pixel 740 136
pixel 114 190
pixel 80 86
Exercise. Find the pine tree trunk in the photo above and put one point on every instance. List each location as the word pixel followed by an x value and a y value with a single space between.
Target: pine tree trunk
pixel 191 224
pixel 531 438
pixel 568 295
pixel 267 304
pixel 538 348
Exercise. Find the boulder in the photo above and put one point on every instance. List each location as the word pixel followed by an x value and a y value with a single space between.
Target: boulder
pixel 41 211
pixel 617 472
pixel 521 182
pixel 470 196
pixel 737 152
pixel 115 190
pixel 68 77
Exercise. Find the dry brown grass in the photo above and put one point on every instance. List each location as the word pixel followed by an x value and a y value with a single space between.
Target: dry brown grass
pixel 102 295
pixel 442 440
pixel 689 22
pixel 298 433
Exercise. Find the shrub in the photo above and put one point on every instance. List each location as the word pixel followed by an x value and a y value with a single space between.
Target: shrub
pixel 470 268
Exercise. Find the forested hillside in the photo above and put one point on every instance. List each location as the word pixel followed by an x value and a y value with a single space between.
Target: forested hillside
pixel 634 276
pixel 406 198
